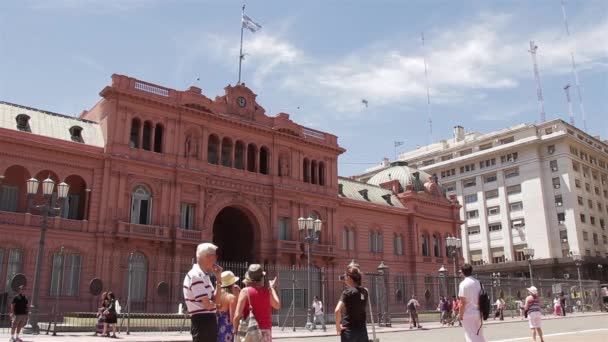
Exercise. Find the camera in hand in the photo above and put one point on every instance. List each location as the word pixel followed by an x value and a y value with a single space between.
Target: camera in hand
pixel 342 277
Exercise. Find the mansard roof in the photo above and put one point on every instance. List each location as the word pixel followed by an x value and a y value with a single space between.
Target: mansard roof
pixel 363 192
pixel 52 125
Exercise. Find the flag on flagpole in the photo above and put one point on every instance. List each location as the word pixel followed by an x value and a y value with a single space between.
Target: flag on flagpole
pixel 249 24
pixel 399 143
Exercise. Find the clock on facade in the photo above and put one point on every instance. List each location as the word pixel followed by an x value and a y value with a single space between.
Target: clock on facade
pixel 241 101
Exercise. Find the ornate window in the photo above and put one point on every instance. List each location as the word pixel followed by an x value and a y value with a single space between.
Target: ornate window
pixel 264 157
pixel 141 206
pixel 65 275
pixel 321 173
pixel 158 138
pixel 134 136
pixel 147 136
pixel 138 264
pixel 226 152
pixel 76 134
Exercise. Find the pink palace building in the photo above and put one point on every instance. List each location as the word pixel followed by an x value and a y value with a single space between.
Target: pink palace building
pixel 155 171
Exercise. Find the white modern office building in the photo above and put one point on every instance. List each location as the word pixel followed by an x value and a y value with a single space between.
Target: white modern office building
pixel 543 186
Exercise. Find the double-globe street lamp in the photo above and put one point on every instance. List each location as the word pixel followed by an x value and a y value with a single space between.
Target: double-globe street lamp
pixel 454 245
pixel 46 207
pixel 529 254
pixel 578 261
pixel 311 229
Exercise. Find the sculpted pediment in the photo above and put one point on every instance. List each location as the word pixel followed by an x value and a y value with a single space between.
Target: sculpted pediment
pixel 240 101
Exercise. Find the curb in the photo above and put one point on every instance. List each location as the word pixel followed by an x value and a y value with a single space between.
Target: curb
pixel 432 327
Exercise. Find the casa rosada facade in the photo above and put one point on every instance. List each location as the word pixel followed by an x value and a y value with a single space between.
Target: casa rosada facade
pixel 155 171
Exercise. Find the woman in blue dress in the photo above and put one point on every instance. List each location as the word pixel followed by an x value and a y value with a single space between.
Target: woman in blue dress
pixel 226 307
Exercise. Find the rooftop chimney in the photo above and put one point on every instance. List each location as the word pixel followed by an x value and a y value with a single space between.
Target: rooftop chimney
pixel 458 133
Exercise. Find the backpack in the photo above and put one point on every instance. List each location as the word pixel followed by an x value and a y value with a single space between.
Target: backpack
pixel 485 306
pixel 411 306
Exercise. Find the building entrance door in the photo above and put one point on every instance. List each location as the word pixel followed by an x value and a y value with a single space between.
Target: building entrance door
pixel 233 233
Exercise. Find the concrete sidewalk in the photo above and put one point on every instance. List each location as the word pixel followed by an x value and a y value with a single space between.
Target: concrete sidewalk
pixel 276 333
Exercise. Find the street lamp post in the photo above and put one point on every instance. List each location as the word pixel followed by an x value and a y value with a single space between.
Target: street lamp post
pixel 443 272
pixel 46 208
pixel 454 245
pixel 311 228
pixel 529 253
pixel 384 316
pixel 495 283
pixel 578 261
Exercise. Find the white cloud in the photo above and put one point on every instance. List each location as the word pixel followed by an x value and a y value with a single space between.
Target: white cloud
pixel 468 59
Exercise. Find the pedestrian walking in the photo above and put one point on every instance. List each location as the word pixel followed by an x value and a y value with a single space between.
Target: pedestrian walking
pixel 227 307
pixel 18 313
pixel 317 306
pixel 200 294
pixel 500 308
pixel 562 303
pixel 532 307
pixel 412 309
pixel 469 314
pixel 455 308
pixel 101 319
pixel 260 298
pixel 444 308
pixel 557 308
pixel 350 311
pixel 520 308
pixel 110 316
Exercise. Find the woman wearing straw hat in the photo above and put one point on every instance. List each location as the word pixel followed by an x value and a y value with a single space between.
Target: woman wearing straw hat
pixel 260 298
pixel 226 307
pixel 532 307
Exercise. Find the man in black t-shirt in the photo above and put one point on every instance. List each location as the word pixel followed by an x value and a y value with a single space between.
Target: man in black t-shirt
pixel 18 314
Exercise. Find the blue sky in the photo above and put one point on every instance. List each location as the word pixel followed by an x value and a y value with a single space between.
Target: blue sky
pixel 317 59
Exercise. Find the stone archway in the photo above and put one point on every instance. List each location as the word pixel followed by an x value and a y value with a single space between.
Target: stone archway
pixel 234 234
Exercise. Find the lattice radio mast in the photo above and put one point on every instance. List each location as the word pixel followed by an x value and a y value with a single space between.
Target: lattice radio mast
pixel 428 92
pixel 539 90
pixel 574 72
pixel 567 90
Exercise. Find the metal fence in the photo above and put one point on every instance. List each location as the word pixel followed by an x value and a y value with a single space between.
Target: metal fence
pixel 149 291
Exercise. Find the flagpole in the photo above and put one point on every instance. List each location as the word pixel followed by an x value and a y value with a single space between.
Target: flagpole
pixel 241 50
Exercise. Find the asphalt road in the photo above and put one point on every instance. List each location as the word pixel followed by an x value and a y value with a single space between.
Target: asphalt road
pixel 587 329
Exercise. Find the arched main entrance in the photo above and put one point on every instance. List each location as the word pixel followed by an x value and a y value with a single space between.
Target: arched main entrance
pixel 233 233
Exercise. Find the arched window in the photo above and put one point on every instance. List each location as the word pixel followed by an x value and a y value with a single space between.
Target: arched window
pixel 425 245
pixel 375 242
pixel 313 172
pixel 158 138
pixel 65 275
pixel 212 149
pixel 436 246
pixel 147 136
pixel 134 136
pixel 321 173
pixel 264 160
pixel 305 170
pixel 14 265
pixel 252 152
pixel 141 206
pixel 398 244
pixel 138 264
pixel 226 152
pixel 351 239
pixel 239 155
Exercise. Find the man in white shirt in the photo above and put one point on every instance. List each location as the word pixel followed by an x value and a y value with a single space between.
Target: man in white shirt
pixel 200 294
pixel 317 305
pixel 468 293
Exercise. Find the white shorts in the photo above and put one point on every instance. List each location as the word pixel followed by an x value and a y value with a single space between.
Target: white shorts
pixel 534 319
pixel 473 329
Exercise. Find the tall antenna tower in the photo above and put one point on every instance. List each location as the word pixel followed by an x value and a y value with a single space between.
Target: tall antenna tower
pixel 428 92
pixel 539 90
pixel 567 90
pixel 574 72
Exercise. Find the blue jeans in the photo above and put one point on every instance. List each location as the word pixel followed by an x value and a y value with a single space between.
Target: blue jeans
pixel 355 335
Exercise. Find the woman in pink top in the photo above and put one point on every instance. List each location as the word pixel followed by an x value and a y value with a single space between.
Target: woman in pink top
pixel 263 300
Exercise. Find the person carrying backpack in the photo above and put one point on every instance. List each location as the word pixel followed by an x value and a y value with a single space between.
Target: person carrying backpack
pixel 469 292
pixel 412 308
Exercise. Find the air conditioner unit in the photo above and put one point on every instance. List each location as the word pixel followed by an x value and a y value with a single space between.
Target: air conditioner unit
pixel 565 240
pixel 553 169
pixel 556 186
pixel 560 222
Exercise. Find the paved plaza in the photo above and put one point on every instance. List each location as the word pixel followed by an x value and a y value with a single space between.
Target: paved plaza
pixel 590 327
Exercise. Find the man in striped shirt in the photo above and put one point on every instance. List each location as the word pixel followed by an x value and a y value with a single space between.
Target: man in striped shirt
pixel 200 294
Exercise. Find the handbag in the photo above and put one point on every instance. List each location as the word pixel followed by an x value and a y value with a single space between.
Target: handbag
pixel 249 330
